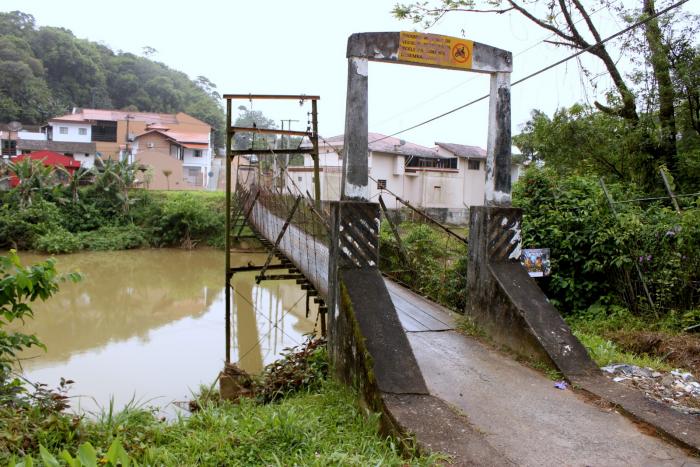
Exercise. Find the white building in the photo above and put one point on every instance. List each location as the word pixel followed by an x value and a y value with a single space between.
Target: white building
pixel 444 181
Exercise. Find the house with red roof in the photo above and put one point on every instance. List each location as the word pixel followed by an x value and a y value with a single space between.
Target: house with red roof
pixel 49 159
pixel 144 136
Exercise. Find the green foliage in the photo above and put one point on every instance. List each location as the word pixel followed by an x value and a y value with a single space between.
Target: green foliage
pixel 187 219
pixel 85 457
pixel 124 237
pixel 437 263
pixel 594 253
pixel 321 425
pixel 20 228
pixel 95 218
pixel 605 352
pixel 34 178
pixel 58 241
pixel 19 286
pixel 299 368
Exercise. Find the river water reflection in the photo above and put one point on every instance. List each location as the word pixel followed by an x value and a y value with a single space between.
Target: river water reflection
pixel 149 324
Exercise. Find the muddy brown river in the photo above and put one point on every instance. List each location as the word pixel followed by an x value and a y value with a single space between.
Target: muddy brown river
pixel 148 325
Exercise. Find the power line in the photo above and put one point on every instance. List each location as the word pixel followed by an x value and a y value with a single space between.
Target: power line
pixel 447 91
pixel 542 70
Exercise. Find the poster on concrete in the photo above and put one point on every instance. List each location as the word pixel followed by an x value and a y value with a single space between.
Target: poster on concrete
pixel 536 261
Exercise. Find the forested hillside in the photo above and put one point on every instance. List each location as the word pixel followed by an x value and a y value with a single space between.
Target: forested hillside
pixel 47 70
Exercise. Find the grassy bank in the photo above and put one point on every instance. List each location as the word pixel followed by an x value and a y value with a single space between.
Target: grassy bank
pixel 323 426
pixel 153 219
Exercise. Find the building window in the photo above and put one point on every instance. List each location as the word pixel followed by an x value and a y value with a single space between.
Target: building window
pixel 82 131
pixel 63 130
pixel 104 131
pixel 298 179
pixel 381 184
pixel 197 153
pixel 473 165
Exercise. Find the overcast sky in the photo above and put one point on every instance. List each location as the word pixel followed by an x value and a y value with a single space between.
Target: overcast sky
pixel 277 47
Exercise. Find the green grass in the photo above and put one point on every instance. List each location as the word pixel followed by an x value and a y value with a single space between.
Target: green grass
pixel 468 326
pixel 323 427
pixel 605 352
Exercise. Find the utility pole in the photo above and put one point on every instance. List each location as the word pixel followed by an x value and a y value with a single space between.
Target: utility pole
pixel 284 145
pixel 128 152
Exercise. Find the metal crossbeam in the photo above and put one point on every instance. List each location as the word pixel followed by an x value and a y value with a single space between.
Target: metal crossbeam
pixel 269 131
pixel 271 152
pixel 279 277
pixel 296 97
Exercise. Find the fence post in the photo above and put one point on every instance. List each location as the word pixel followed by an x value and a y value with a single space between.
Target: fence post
pixel 672 195
pixel 629 251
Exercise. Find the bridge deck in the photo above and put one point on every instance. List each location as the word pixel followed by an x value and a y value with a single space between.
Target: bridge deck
pixel 522 416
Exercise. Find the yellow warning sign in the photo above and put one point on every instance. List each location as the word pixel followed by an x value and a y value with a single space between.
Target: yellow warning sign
pixel 435 50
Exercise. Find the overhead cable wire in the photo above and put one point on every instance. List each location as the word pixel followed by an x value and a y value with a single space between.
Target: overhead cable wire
pixel 541 70
pixel 469 80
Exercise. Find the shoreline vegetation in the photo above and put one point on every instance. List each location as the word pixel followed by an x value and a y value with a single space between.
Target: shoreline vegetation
pixel 322 423
pixel 53 212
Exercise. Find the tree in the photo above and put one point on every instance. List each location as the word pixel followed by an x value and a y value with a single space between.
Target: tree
pixel 33 177
pixel 562 19
pixel 252 119
pixel 75 179
pixel 167 173
pixel 581 140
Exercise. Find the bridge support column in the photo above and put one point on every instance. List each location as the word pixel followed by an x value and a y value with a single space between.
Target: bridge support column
pixel 367 343
pixel 507 303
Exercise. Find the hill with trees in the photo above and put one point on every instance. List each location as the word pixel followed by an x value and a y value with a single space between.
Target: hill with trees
pixel 47 70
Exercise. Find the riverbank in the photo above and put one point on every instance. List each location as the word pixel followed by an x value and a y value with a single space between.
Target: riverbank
pixel 99 220
pixel 319 426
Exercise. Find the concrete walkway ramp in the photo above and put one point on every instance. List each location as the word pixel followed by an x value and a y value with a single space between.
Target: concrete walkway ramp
pixel 514 415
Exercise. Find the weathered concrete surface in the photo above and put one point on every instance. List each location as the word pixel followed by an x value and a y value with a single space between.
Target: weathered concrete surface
pixel 498 144
pixel 520 413
pixel 393 364
pixel 384 47
pixel 507 303
pixel 439 428
pixel 367 343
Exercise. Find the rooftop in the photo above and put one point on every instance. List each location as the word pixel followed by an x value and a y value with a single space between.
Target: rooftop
pixel 388 144
pixel 57 146
pixel 462 150
pixel 181 137
pixel 90 115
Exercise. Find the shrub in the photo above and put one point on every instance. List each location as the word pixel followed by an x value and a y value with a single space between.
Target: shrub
pixel 437 263
pixel 114 238
pixel 595 253
pixel 58 241
pixel 81 216
pixel 20 228
pixel 186 221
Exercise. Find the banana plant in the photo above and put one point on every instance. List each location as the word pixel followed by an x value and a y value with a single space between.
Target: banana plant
pixel 33 178
pixel 85 457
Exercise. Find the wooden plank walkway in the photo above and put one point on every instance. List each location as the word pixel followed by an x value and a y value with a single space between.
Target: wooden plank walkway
pixel 416 313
